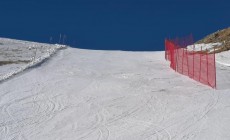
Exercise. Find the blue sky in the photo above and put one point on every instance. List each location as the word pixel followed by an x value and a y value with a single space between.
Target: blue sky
pixel 132 25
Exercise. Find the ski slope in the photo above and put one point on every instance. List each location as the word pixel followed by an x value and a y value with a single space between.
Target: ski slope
pixel 112 95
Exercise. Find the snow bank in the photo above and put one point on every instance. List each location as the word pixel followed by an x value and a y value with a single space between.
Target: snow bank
pixel 209 47
pixel 222 58
pixel 35 53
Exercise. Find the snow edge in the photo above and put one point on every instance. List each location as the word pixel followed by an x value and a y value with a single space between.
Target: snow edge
pixel 34 62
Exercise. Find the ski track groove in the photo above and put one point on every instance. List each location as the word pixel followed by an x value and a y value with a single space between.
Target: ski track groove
pixel 202 115
pixel 100 125
pixel 160 130
pixel 133 111
pixel 93 128
pixel 125 114
pixel 168 135
pixel 104 127
pixel 48 106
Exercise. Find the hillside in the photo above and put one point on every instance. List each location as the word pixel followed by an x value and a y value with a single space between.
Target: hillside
pixel 111 95
pixel 221 36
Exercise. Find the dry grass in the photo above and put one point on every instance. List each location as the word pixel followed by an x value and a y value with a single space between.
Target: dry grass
pixel 13 62
pixel 222 36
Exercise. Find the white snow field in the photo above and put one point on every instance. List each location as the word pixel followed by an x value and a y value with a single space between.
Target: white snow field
pixel 112 95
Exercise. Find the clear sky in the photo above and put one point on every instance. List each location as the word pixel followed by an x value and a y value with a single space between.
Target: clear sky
pixel 133 25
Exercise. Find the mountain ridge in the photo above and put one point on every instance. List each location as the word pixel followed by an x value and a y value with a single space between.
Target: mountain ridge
pixel 220 36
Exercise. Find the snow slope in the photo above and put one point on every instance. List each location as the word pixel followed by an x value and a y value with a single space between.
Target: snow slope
pixel 223 58
pixel 115 95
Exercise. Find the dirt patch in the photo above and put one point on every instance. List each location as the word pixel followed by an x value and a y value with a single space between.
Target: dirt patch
pixel 13 62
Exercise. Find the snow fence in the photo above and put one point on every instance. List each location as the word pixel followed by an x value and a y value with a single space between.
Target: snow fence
pixel 198 65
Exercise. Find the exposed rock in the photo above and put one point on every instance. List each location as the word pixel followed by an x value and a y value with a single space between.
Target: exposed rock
pixel 222 36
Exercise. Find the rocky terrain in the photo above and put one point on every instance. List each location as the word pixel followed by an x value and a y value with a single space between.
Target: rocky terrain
pixel 221 36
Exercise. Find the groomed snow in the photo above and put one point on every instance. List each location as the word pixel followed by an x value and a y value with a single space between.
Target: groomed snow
pixel 88 95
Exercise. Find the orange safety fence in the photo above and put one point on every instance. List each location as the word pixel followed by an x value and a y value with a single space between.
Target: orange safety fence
pixel 198 65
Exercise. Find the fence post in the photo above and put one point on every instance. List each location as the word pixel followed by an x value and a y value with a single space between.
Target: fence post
pixel 207 65
pixel 215 65
pixel 193 53
pixel 187 60
pixel 174 57
pixel 200 63
pixel 174 51
pixel 177 55
pixel 165 50
pixel 183 62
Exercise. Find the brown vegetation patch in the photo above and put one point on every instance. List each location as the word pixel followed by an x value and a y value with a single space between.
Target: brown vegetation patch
pixel 222 36
pixel 13 62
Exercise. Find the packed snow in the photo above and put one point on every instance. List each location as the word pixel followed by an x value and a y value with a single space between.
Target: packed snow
pixel 209 47
pixel 112 95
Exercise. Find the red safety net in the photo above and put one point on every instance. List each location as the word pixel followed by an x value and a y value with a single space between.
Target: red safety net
pixel 198 65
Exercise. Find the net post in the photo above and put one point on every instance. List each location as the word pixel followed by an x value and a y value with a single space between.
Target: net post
pixel 183 62
pixel 207 66
pixel 200 63
pixel 193 53
pixel 165 50
pixel 174 57
pixel 187 60
pixel 215 65
pixel 177 55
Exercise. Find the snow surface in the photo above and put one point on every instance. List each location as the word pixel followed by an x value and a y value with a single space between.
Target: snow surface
pixel 221 58
pixel 199 47
pixel 116 95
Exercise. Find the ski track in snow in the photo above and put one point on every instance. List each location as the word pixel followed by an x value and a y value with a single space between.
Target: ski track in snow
pixel 110 95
